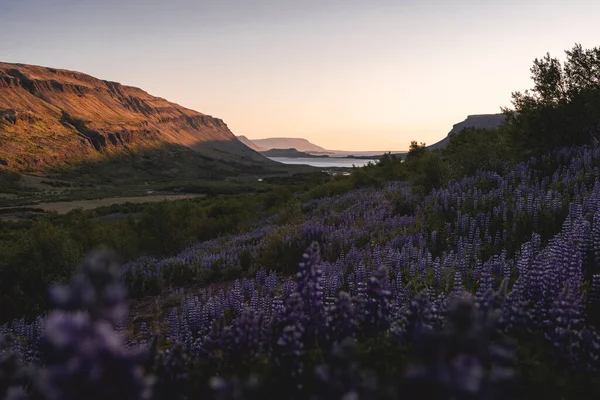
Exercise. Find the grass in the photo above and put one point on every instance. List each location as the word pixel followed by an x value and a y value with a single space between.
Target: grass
pixel 40 191
pixel 66 206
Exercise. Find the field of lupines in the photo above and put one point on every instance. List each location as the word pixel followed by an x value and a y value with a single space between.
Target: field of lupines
pixel 487 288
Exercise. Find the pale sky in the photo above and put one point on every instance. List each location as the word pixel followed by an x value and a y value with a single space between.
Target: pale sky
pixel 344 74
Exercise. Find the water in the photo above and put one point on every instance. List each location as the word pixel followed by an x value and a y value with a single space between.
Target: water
pixel 330 162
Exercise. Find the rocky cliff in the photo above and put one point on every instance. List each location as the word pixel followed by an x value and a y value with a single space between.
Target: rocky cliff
pixel 479 121
pixel 51 118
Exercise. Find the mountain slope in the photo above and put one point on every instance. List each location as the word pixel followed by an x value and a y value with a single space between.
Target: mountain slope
pixel 54 119
pixel 288 143
pixel 479 121
pixel 250 143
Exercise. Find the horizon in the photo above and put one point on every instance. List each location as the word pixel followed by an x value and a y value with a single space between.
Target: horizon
pixel 343 75
pixel 317 144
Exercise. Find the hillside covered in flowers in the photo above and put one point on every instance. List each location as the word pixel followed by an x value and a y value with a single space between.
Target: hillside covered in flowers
pixel 434 278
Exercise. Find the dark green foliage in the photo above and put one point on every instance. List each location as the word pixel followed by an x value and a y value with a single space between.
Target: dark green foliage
pixel 9 181
pixel 282 255
pixel 416 150
pixel 38 252
pixel 477 149
pixel 427 171
pixel 45 253
pixel 278 197
pixel 167 163
pixel 336 185
pixel 361 177
pixel 563 108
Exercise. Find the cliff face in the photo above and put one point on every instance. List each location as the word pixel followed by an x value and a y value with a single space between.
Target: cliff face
pixel 51 118
pixel 480 121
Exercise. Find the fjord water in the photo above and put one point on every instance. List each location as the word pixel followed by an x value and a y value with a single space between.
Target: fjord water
pixel 331 162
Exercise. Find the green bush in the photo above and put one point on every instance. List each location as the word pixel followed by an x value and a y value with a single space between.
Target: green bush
pixel 43 254
pixel 427 172
pixel 477 149
pixel 48 248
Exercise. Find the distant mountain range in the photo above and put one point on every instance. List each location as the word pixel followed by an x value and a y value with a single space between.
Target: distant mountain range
pixel 302 146
pixel 290 153
pixel 281 143
pixel 52 119
pixel 60 121
pixel 480 121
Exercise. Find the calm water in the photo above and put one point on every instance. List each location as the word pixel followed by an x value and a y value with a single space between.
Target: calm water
pixel 324 162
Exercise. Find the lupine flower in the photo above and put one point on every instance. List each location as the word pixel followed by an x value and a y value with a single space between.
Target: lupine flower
pixel 13 374
pixel 83 356
pixel 455 361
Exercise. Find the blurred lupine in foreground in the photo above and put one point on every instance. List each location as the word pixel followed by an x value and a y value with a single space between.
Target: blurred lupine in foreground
pixel 13 374
pixel 465 359
pixel 83 357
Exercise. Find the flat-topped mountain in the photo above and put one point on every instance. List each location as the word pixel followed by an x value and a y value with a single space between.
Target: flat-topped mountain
pixel 479 121
pixel 52 119
pixel 290 153
pixel 299 144
pixel 303 146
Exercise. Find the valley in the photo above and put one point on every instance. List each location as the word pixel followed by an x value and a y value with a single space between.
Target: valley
pixel 67 206
pixel 66 124
pixel 146 252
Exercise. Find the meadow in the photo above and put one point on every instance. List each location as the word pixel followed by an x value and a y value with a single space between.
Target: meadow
pixel 466 273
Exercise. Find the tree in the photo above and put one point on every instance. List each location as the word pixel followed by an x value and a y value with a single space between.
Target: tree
pixel 390 167
pixel 427 172
pixel 563 108
pixel 475 149
pixel 416 150
pixel 425 169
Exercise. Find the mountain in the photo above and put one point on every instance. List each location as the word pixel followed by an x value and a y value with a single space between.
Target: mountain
pixel 368 155
pixel 290 153
pixel 59 120
pixel 250 143
pixel 304 146
pixel 288 143
pixel 479 121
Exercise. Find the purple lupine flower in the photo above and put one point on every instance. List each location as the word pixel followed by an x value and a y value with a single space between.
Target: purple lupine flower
pixel 341 318
pixel 594 295
pixel 83 355
pixel 290 345
pixel 454 360
pixel 309 286
pixel 377 307
pixel 13 373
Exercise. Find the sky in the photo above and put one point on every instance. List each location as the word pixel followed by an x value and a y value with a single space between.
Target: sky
pixel 344 74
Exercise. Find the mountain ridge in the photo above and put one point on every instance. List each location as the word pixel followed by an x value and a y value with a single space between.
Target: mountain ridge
pixel 54 118
pixel 250 143
pixel 299 144
pixel 290 153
